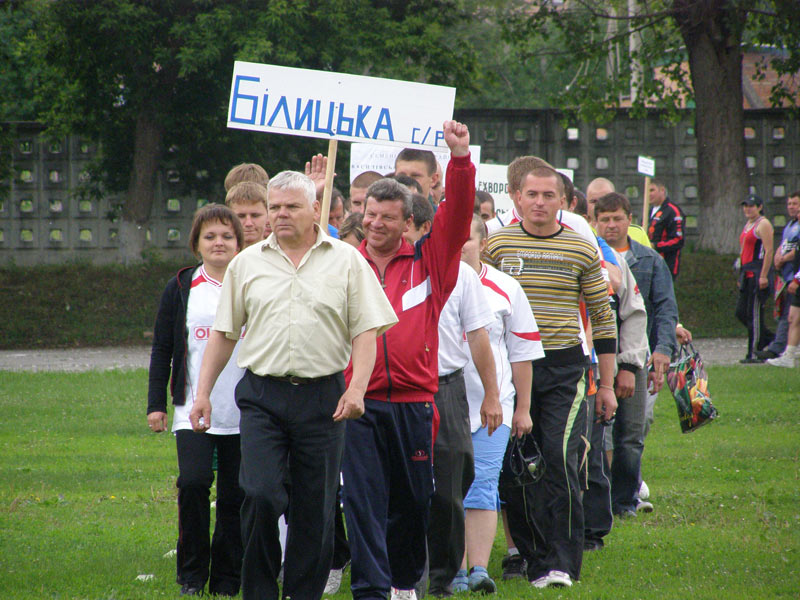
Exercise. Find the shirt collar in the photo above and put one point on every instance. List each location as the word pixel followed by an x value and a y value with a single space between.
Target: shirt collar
pixel 272 241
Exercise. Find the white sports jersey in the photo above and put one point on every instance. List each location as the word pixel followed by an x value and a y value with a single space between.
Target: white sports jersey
pixel 514 336
pixel 465 310
pixel 200 313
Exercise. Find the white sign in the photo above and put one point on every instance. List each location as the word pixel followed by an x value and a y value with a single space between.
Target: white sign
pixel 329 105
pixel 646 166
pixel 379 158
pixel 493 179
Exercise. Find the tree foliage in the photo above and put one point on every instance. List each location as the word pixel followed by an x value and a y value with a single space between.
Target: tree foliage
pixel 150 79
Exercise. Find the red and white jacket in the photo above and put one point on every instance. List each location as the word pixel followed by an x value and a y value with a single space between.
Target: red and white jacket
pixel 418 281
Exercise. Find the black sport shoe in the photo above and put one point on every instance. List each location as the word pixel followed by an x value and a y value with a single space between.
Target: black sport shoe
pixel 765 354
pixel 514 567
pixel 191 589
pixel 751 360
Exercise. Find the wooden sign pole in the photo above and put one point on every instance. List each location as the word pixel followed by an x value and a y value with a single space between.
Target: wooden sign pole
pixel 326 195
pixel 646 205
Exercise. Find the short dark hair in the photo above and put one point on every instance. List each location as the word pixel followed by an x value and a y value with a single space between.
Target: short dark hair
pixel 581 206
pixel 214 212
pixel 407 181
pixel 389 189
pixel 794 194
pixel 481 197
pixel 658 183
pixel 421 210
pixel 569 188
pixel 414 154
pixel 611 202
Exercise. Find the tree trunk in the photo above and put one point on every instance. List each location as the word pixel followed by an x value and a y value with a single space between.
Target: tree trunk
pixel 141 188
pixel 712 36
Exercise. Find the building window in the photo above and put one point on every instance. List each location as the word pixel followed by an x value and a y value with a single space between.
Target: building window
pixel 573 133
pixel 779 162
pixel 601 133
pixel 749 133
pixel 573 163
pixel 601 163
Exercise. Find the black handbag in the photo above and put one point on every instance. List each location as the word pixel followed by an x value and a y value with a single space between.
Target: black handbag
pixel 525 464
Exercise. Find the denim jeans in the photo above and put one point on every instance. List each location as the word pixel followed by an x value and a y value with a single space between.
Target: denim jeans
pixel 628 431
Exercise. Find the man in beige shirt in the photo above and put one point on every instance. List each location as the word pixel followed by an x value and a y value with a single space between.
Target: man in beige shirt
pixel 309 303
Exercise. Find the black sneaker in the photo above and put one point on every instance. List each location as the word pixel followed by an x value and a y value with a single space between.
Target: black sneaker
pixel 593 544
pixel 514 567
pixel 765 354
pixel 191 589
pixel 751 360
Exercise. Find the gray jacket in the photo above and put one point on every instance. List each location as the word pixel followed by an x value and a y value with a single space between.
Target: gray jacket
pixel 632 347
pixel 655 284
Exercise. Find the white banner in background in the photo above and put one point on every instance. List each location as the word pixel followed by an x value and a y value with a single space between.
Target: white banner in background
pixel 379 158
pixel 329 105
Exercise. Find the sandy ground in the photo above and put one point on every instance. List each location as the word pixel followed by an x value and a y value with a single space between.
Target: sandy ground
pixel 715 351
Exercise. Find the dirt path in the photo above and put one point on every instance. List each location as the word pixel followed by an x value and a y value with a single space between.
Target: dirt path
pixel 715 351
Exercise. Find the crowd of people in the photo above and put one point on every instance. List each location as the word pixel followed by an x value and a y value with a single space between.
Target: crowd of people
pixel 376 393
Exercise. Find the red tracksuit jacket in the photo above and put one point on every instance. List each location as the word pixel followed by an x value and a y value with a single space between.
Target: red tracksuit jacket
pixel 418 281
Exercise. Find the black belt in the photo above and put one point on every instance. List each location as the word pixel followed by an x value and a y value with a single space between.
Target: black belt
pixel 295 380
pixel 451 376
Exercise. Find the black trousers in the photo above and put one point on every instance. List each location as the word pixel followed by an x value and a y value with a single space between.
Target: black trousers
pixel 546 518
pixel 750 311
pixel 220 561
pixel 453 473
pixel 288 426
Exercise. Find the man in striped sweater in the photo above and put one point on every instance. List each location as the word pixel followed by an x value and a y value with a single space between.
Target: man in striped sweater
pixel 555 266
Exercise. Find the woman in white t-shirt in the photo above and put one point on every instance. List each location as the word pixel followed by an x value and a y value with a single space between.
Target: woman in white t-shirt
pixel 185 317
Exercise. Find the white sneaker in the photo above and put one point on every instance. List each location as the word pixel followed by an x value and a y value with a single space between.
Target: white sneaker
pixel 644 491
pixel 559 579
pixel 784 360
pixel 644 506
pixel 403 594
pixel 541 582
pixel 334 581
pixel 553 579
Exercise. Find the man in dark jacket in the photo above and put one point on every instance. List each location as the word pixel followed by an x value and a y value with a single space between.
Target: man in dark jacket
pixel 666 223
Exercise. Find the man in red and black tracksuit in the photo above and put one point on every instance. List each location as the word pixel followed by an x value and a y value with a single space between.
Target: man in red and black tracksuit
pixel 387 465
pixel 666 226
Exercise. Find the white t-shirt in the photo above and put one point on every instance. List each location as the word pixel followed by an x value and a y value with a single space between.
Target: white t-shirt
pixel 465 310
pixel 200 312
pixel 514 336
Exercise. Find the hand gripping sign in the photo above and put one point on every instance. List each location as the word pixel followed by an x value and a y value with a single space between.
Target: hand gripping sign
pixel 337 106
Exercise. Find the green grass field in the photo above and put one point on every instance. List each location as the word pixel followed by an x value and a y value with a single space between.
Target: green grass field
pixel 87 499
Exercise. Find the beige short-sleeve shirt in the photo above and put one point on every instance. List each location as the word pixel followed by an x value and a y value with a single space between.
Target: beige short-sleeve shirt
pixel 300 321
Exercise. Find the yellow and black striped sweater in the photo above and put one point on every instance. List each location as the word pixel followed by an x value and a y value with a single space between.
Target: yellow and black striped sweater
pixel 553 271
